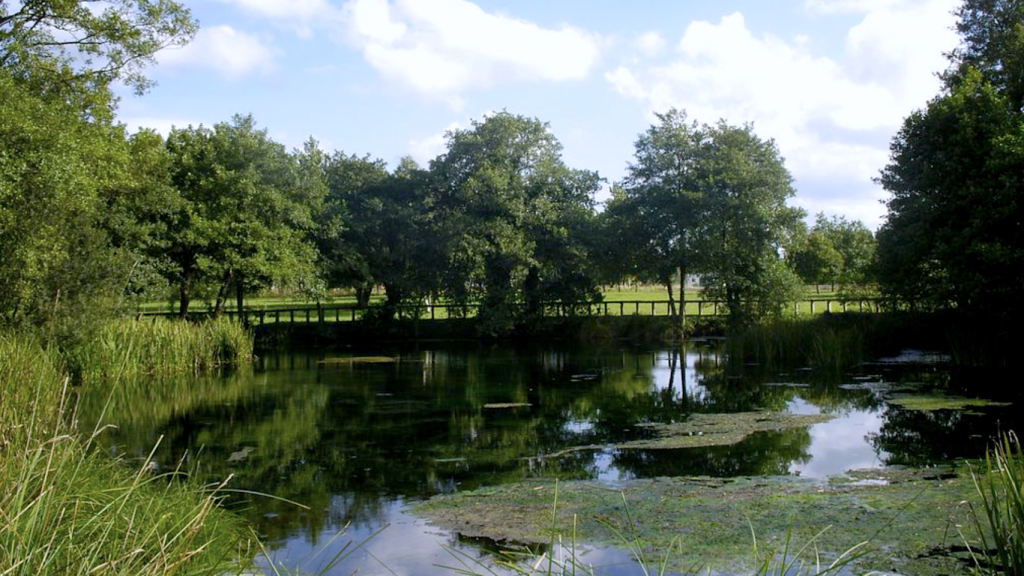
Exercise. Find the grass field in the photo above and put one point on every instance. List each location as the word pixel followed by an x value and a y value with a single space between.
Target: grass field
pixel 643 300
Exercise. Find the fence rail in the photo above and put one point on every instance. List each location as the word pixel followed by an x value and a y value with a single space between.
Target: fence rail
pixel 323 313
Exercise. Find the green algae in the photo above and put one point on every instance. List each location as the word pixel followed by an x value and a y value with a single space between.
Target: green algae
pixel 909 517
pixel 930 403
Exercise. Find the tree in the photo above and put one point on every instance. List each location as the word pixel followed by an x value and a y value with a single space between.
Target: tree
pixel 245 216
pixel 659 205
pixel 836 251
pixel 992 34
pixel 387 238
pixel 745 222
pixel 816 260
pixel 54 167
pixel 952 238
pixel 711 200
pixel 510 212
pixel 855 245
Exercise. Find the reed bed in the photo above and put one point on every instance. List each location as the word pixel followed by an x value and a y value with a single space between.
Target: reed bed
pixel 68 509
pixel 158 346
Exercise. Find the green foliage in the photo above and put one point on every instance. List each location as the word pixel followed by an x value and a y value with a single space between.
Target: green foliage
pixel 59 271
pixel 709 200
pixel 511 214
pixel 244 213
pixel 73 50
pixel 952 238
pixel 377 229
pixel 816 259
pixel 157 346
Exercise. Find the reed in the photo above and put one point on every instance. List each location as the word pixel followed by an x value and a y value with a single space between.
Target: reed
pixel 1000 522
pixel 158 346
pixel 68 509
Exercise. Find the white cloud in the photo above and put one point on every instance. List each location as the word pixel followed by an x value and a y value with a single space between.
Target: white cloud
pixel 221 48
pixel 444 47
pixel 831 117
pixel 650 43
pixel 426 149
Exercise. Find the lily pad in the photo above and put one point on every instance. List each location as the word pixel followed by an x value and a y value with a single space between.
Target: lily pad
pixel 931 403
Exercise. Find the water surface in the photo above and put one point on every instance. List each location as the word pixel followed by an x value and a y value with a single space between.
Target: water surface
pixel 356 442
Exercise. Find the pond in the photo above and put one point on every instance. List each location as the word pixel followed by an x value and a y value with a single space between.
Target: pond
pixel 327 449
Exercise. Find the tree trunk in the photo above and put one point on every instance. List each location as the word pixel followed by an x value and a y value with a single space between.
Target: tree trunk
pixel 184 295
pixel 671 300
pixel 363 294
pixel 222 294
pixel 239 301
pixel 682 300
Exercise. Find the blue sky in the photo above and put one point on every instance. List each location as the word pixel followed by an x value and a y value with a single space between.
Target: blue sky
pixel 829 80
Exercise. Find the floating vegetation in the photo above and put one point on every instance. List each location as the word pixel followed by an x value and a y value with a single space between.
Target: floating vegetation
pixel 720 429
pixel 348 360
pixel 506 405
pixel 702 430
pixel 707 522
pixel 930 403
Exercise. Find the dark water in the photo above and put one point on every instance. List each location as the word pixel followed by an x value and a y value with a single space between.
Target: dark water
pixel 355 443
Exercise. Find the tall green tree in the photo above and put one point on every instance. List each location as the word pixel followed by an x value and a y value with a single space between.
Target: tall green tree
pixel 952 236
pixel 54 167
pixel 816 260
pixel 659 205
pixel 245 218
pixel 510 211
pixel 745 222
pixel 855 245
pixel 711 200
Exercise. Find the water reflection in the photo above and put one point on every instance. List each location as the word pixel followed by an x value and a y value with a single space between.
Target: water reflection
pixel 354 442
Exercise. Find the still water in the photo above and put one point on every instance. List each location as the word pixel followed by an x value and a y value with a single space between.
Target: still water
pixel 338 444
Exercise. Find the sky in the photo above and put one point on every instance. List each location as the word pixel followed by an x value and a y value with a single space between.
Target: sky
pixel 829 80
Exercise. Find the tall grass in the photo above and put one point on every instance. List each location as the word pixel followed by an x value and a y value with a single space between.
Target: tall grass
pixel 1000 522
pixel 158 346
pixel 66 509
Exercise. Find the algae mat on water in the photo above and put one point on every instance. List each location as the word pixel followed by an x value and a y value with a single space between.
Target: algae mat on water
pixel 908 516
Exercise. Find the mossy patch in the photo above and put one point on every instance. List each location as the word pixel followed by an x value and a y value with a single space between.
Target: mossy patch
pixel 930 403
pixel 911 524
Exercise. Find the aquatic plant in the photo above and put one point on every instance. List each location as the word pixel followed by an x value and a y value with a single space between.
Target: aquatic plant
pixel 1000 522
pixel 158 346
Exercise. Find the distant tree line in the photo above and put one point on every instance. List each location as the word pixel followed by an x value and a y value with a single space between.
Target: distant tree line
pixel 93 219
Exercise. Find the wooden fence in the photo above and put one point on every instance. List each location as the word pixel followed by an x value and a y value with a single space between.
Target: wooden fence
pixel 349 313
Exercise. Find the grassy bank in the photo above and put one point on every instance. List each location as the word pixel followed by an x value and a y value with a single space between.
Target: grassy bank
pixel 65 509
